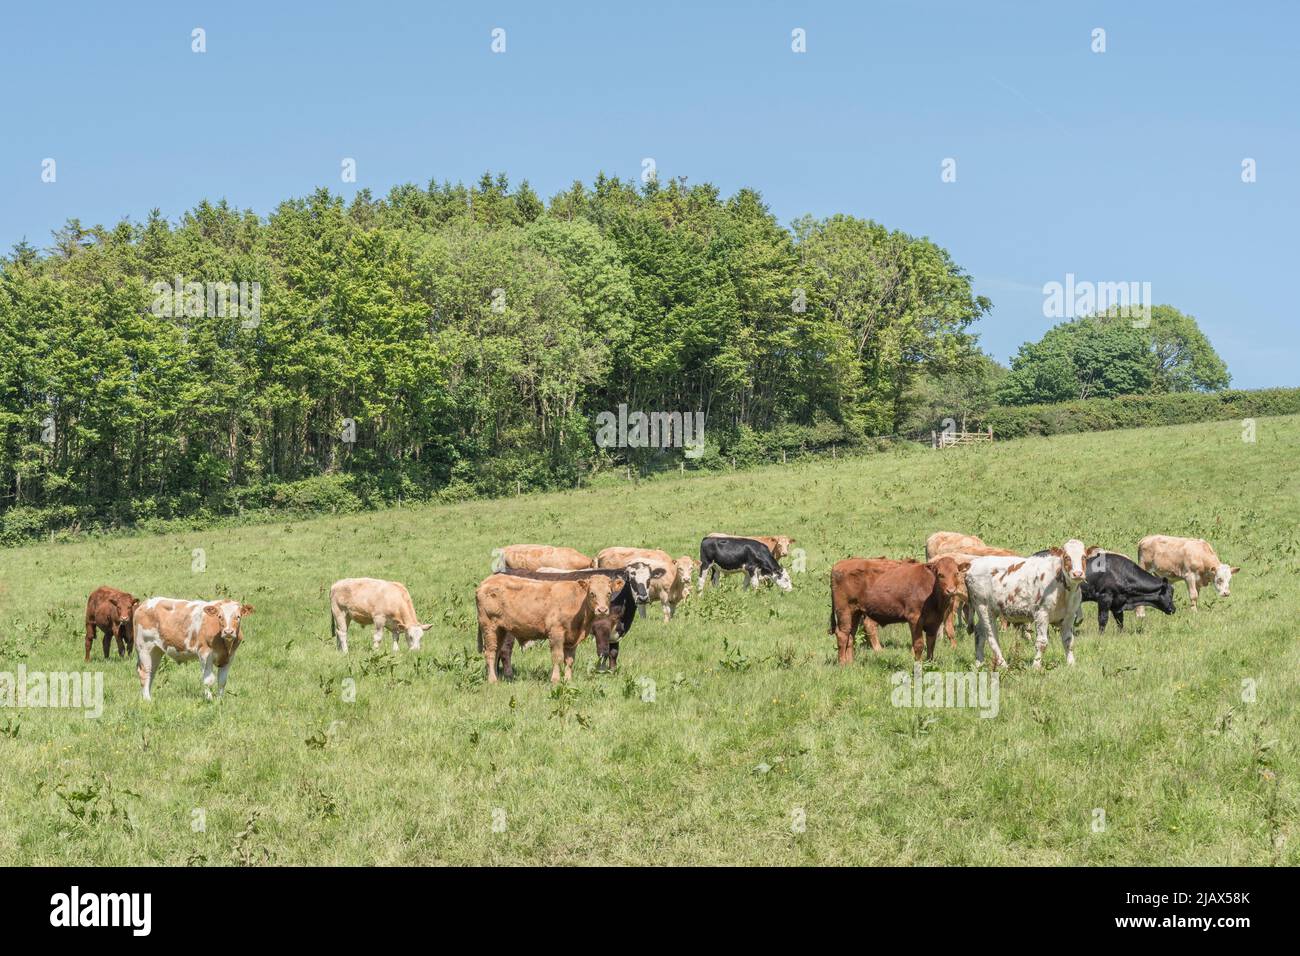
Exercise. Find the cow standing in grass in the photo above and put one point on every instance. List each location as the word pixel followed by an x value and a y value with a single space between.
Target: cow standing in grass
pixel 669 589
pixel 206 631
pixel 880 591
pixel 110 610
pixel 385 604
pixel 1042 589
pixel 1192 560
pixel 725 555
pixel 778 544
pixel 1117 585
pixel 559 607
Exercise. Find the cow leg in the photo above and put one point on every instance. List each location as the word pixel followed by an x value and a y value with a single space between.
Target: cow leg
pixel 209 675
pixel 507 655
pixel 341 623
pixel 491 638
pixel 147 661
pixel 846 626
pixel 1141 612
pixel 1067 640
pixel 1119 619
pixel 123 640
pixel 570 651
pixel 90 638
pixel 1191 589
pixel 1040 641
pixel 108 641
pixel 873 632
pixel 704 572
pixel 380 623
pixel 222 672
pixel 557 654
pixel 1103 615
pixel 668 610
pixel 918 640
pixel 986 630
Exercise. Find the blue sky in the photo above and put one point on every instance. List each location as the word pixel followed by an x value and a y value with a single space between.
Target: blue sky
pixel 1115 166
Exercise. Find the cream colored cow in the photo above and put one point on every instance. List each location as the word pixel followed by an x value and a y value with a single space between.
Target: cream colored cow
pixel 673 587
pixel 385 604
pixel 1185 559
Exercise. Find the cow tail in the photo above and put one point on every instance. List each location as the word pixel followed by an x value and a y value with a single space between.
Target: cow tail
pixel 831 628
pixel 480 637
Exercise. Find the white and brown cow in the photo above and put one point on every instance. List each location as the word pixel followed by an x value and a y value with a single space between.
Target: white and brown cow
pixel 1185 559
pixel 206 631
pixel 1041 589
pixel 534 557
pixel 385 604
pixel 673 587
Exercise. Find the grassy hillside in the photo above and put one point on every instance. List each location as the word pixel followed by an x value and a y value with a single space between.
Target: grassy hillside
pixel 430 765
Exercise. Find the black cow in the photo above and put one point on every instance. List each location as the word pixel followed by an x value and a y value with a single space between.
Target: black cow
pixel 1117 584
pixel 612 627
pixel 728 555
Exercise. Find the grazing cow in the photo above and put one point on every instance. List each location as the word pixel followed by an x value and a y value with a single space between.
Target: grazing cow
pixel 729 555
pixel 385 604
pixel 673 587
pixel 1041 589
pixel 558 607
pixel 1185 559
pixel 207 631
pixel 779 544
pixel 1116 584
pixel 110 610
pixel 531 557
pixel 880 591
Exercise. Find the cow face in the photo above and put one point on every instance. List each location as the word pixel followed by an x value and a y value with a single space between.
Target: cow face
pixel 1166 599
pixel 416 634
pixel 601 591
pixel 124 611
pixel 228 615
pixel 1223 579
pixel 1073 567
pixel 782 546
pixel 685 569
pixel 950 576
pixel 782 580
pixel 639 576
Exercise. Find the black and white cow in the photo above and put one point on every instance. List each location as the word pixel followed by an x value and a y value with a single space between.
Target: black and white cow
pixel 729 555
pixel 1117 584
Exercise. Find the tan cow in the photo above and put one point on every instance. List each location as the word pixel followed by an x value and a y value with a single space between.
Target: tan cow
pixel 1185 559
pixel 207 631
pixel 670 589
pixel 960 547
pixel 534 557
pixel 950 542
pixel 779 544
pixel 533 606
pixel 385 604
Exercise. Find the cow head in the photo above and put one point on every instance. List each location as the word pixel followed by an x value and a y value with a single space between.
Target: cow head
pixel 685 568
pixel 1165 600
pixel 601 590
pixel 781 580
pixel 950 576
pixel 781 546
pixel 639 576
pixel 124 610
pixel 228 614
pixel 1223 579
pixel 415 634
pixel 1073 566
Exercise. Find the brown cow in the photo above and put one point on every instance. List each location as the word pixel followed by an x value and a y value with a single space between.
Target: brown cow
pixel 534 606
pixel 878 591
pixel 669 589
pixel 779 544
pixel 207 631
pixel 533 557
pixel 110 610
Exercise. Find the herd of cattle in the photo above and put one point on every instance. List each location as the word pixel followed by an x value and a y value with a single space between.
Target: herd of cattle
pixel 560 596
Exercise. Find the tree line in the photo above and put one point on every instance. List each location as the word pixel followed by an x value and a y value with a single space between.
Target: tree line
pixel 453 341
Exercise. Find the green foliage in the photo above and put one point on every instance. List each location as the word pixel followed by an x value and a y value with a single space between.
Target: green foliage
pixel 446 342
pixel 1108 355
pixel 1139 411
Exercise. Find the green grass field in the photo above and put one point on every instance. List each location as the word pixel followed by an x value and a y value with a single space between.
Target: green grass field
pixel 759 752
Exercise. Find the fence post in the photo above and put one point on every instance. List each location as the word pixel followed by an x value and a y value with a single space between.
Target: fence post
pixel 934 440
